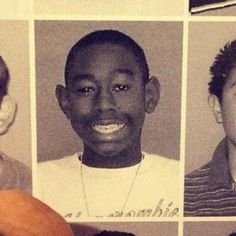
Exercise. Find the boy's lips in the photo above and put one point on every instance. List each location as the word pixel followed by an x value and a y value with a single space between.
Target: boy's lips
pixel 108 128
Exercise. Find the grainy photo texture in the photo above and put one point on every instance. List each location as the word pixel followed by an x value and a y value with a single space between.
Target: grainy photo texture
pixel 15 140
pixel 219 7
pixel 210 189
pixel 105 95
pixel 125 229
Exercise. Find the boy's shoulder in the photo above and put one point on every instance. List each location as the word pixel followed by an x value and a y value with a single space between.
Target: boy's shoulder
pixel 154 162
pixel 201 172
pixel 15 174
pixel 160 160
pixel 69 161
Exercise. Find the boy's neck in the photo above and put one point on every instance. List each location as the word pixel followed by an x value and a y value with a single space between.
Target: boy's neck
pixel 123 159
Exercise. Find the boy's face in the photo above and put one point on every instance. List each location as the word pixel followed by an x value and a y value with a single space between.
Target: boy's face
pixel 228 107
pixel 105 98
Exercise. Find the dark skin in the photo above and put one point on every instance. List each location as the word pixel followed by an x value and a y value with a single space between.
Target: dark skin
pixel 106 101
pixel 91 158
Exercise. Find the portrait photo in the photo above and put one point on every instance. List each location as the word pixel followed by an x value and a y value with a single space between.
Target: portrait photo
pixel 125 229
pixel 108 125
pixel 210 120
pixel 15 128
pixel 212 7
pixel 220 228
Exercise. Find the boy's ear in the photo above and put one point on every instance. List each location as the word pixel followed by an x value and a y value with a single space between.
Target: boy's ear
pixel 215 108
pixel 152 94
pixel 62 98
pixel 7 113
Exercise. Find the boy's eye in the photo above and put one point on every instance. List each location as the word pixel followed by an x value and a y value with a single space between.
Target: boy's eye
pixel 120 87
pixel 85 90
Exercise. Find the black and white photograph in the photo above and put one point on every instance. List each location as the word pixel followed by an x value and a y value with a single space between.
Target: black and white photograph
pixel 125 229
pixel 117 118
pixel 112 109
pixel 15 156
pixel 210 124
pixel 212 7
pixel 226 228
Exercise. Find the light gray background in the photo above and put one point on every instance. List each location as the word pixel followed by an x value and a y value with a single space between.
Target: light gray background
pixel 209 228
pixel 162 42
pixel 137 228
pixel 202 131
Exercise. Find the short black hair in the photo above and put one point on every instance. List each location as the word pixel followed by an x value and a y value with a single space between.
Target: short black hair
pixel 224 62
pixel 4 78
pixel 113 233
pixel 109 36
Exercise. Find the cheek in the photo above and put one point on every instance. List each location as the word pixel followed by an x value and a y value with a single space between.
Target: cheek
pixel 81 106
pixel 135 109
pixel 133 101
pixel 229 116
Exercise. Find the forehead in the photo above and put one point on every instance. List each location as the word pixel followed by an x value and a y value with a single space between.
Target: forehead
pixel 104 58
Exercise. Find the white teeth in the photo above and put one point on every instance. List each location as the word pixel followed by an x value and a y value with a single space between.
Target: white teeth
pixel 107 129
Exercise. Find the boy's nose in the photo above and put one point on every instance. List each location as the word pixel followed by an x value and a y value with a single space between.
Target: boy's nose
pixel 105 100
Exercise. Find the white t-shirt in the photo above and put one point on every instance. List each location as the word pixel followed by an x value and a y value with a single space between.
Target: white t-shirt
pixel 154 192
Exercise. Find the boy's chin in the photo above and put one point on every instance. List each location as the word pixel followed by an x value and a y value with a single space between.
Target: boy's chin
pixel 108 149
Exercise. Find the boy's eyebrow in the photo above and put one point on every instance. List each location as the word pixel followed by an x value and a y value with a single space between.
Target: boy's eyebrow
pixel 83 77
pixel 125 71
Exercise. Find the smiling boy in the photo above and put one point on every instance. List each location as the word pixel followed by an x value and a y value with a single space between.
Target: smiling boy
pixel 107 93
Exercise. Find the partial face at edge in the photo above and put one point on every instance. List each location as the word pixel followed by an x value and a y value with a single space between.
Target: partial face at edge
pixel 225 112
pixel 106 98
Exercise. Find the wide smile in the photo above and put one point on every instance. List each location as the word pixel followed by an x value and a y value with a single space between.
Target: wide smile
pixel 107 128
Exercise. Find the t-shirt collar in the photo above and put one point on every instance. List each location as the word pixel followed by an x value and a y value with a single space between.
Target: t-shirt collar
pixel 220 170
